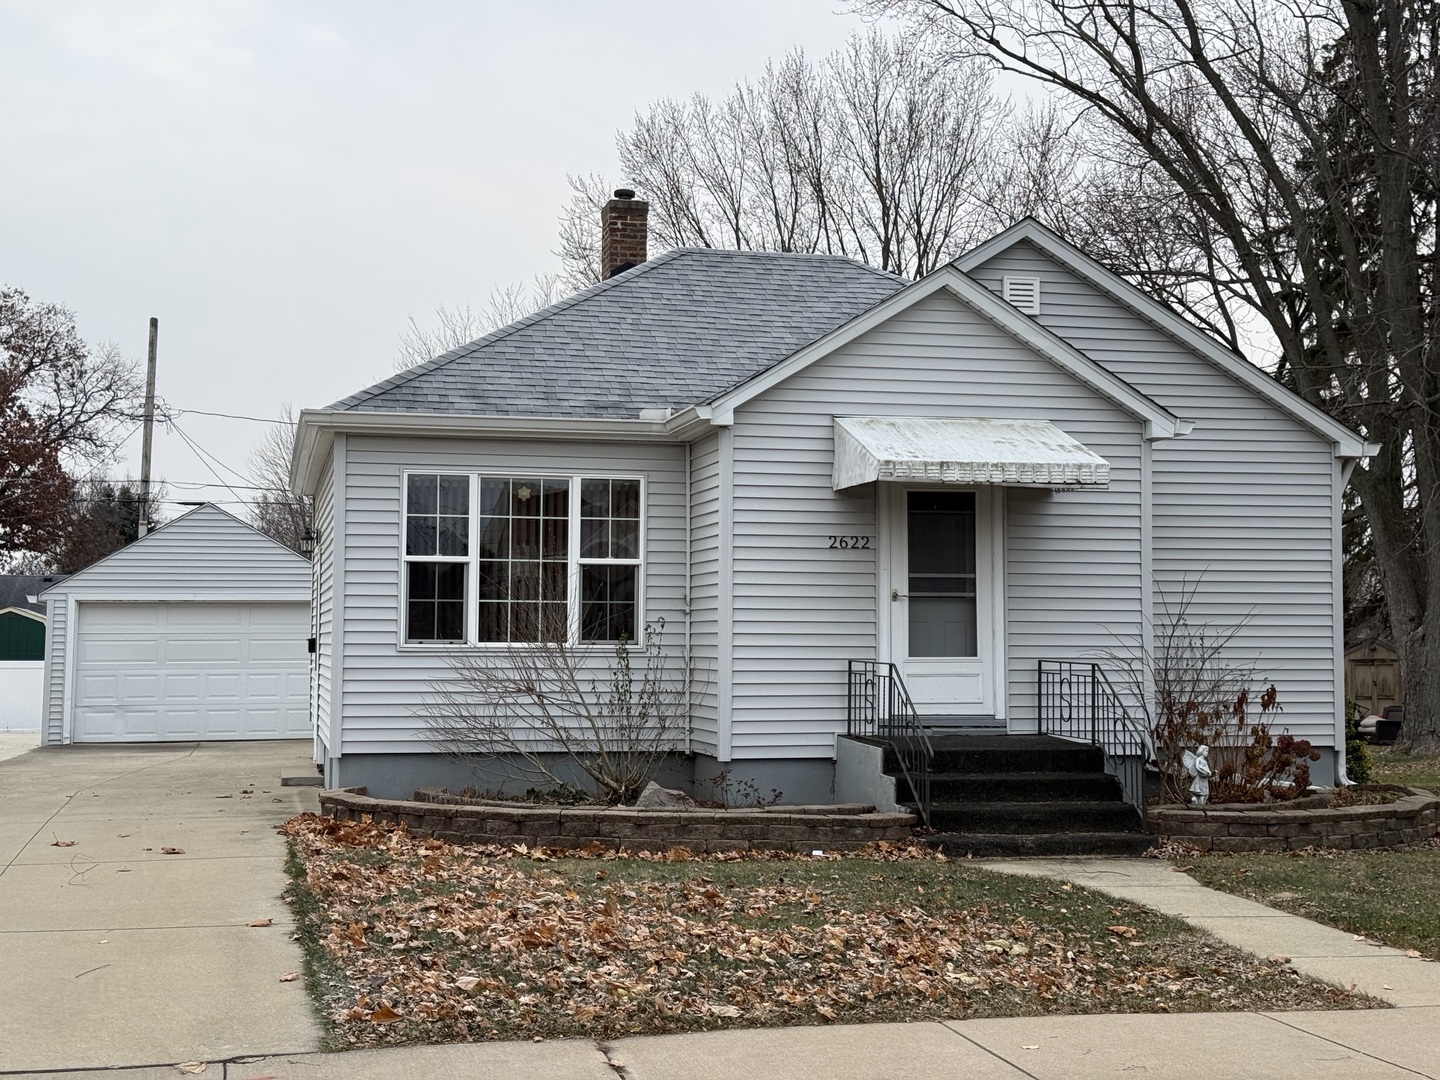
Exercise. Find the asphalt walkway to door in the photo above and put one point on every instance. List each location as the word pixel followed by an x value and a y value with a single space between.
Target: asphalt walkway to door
pixel 114 952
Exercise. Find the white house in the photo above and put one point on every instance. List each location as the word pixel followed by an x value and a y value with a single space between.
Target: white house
pixel 800 462
pixel 198 630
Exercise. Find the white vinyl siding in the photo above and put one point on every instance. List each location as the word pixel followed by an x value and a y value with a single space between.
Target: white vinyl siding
pixel 801 610
pixel 1244 505
pixel 52 712
pixel 384 684
pixel 705 528
pixel 324 613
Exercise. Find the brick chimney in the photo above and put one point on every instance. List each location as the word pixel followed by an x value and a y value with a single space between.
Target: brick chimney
pixel 623 239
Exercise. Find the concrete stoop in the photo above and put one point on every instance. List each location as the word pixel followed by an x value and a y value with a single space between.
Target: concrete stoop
pixel 1026 795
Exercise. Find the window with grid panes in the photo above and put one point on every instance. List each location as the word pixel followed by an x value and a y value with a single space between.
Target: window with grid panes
pixel 533 579
pixel 524 559
pixel 609 559
pixel 437 556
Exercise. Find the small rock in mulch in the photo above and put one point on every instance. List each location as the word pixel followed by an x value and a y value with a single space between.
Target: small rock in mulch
pixel 655 797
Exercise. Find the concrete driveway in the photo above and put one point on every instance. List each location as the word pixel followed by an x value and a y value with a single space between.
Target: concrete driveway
pixel 114 953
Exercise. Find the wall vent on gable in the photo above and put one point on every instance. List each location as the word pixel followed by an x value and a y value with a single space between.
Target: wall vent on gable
pixel 1023 293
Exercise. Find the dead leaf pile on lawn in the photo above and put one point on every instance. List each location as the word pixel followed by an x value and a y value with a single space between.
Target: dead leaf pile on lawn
pixel 439 941
pixel 370 835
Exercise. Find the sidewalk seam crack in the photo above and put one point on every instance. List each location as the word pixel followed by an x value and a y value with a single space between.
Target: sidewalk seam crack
pixel 608 1052
pixel 998 1057
pixel 69 798
pixel 1347 1046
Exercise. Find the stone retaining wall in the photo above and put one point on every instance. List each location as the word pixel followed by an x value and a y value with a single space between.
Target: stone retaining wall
pixel 1409 820
pixel 774 829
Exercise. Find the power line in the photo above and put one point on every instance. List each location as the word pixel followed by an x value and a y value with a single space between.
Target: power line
pixel 188 484
pixel 230 416
pixel 202 455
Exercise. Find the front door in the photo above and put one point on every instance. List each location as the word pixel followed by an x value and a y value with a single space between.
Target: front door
pixel 941 599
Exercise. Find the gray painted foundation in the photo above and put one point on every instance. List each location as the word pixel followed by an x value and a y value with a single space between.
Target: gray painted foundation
pixel 800 782
pixel 854 776
pixel 396 776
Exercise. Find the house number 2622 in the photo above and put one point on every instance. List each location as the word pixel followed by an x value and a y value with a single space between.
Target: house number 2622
pixel 843 542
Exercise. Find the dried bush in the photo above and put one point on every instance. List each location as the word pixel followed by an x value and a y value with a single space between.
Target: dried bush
pixel 550 712
pixel 1193 691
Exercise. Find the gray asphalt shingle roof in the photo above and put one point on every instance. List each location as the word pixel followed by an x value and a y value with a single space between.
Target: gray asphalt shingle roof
pixel 14 588
pixel 672 332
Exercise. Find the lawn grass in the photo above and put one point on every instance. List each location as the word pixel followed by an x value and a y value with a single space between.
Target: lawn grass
pixel 412 941
pixel 1411 770
pixel 1389 896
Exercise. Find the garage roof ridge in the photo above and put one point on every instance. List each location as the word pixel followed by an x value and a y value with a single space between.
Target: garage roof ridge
pixel 65 583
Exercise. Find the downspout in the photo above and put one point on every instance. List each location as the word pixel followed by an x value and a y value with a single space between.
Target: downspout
pixel 1342 775
pixel 689 590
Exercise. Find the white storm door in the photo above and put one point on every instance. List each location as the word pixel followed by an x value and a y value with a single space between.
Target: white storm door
pixel 942 599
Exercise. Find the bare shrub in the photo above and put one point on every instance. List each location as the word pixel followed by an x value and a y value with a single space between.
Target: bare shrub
pixel 1193 691
pixel 551 712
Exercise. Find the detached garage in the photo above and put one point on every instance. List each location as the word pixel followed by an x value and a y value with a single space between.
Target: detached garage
pixel 198 631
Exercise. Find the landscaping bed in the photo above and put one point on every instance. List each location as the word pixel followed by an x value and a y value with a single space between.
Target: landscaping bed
pixel 1374 816
pixel 412 940
pixel 805 829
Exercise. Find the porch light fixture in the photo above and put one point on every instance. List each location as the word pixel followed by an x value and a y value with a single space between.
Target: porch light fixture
pixel 307 543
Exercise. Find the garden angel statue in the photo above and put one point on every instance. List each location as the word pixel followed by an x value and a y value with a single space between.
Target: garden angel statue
pixel 1197 765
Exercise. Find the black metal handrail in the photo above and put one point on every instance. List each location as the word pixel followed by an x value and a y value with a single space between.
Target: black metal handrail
pixel 1077 701
pixel 879 707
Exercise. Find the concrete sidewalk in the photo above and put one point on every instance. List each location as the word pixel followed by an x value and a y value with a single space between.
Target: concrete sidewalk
pixel 1363 1045
pixel 115 953
pixel 1314 949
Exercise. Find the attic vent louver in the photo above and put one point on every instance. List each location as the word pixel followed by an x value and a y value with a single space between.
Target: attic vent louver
pixel 1023 293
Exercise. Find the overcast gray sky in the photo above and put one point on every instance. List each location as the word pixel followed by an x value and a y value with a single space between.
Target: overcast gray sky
pixel 283 184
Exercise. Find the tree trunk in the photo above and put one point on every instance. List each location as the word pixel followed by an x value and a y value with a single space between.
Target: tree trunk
pixel 1420 678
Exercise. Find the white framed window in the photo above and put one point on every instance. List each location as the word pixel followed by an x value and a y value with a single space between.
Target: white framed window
pixel 521 558
pixel 609 559
pixel 437 556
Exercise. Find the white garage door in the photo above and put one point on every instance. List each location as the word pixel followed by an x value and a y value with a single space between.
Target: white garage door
pixel 178 671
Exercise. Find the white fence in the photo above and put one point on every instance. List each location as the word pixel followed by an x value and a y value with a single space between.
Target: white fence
pixel 21 682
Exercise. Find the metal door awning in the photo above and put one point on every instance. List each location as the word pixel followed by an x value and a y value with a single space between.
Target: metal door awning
pixel 940 450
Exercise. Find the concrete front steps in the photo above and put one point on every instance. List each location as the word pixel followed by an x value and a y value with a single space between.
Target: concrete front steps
pixel 1026 795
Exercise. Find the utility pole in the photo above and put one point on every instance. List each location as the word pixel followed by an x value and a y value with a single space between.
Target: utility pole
pixel 149 429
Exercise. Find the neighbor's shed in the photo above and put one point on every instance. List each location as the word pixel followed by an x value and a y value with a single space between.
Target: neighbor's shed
pixel 1372 674
pixel 197 631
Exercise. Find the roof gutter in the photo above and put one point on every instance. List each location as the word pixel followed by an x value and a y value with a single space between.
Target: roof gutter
pixel 316 430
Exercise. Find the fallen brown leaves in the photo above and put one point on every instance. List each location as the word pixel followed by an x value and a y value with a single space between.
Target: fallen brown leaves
pixel 427 941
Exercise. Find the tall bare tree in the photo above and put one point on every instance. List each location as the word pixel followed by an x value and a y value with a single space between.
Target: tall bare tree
pixel 880 151
pixel 1298 144
pixel 454 327
pixel 278 512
